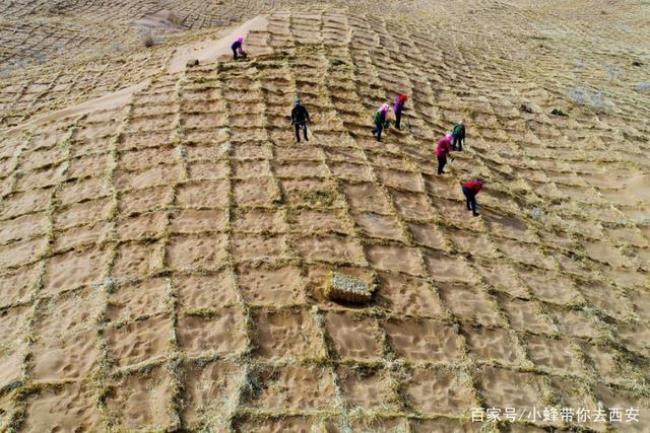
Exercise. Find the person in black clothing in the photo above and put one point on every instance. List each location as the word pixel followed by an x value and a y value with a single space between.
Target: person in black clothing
pixel 237 48
pixel 300 119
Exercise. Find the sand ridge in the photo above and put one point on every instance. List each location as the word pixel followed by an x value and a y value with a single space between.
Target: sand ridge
pixel 164 261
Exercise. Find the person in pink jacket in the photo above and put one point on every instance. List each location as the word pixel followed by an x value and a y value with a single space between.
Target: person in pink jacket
pixel 442 150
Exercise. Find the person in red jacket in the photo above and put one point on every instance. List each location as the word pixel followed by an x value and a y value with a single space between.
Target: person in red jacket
pixel 470 189
pixel 442 150
pixel 398 107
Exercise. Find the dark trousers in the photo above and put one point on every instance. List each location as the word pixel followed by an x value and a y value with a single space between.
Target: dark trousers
pixel 238 52
pixel 379 127
pixel 298 127
pixel 398 118
pixel 442 161
pixel 458 143
pixel 470 197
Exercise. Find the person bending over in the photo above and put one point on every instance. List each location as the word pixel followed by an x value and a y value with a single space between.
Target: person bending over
pixel 237 48
pixel 381 120
pixel 470 190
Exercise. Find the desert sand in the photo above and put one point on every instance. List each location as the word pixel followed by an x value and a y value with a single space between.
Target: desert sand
pixel 165 244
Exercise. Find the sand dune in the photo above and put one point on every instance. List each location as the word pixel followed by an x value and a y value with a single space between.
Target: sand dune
pixel 164 243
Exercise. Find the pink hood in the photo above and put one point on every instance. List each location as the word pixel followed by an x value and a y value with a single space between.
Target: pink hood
pixel 447 139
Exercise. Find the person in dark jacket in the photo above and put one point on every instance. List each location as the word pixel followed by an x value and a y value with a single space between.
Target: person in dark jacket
pixel 300 119
pixel 459 136
pixel 470 190
pixel 237 48
pixel 381 121
pixel 398 107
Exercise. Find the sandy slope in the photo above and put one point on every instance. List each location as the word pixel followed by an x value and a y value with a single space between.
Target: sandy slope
pixel 163 250
pixel 204 51
pixel 208 51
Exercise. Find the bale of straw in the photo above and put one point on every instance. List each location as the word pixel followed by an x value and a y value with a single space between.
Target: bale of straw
pixel 344 288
